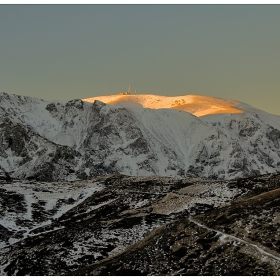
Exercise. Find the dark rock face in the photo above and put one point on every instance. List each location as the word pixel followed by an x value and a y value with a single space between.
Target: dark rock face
pixel 52 108
pixel 14 137
pixel 249 129
pixel 76 103
pixel 274 136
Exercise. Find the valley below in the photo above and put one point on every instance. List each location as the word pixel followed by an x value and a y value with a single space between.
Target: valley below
pixel 144 225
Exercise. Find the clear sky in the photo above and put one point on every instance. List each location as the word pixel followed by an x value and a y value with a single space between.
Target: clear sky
pixel 66 52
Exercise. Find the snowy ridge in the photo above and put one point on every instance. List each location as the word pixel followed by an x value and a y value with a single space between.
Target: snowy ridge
pixel 76 139
pixel 195 104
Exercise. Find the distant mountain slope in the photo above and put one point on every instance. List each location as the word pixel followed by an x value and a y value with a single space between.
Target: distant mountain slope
pixel 104 139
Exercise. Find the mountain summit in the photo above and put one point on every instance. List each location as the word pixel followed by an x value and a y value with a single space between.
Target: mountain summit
pixel 195 104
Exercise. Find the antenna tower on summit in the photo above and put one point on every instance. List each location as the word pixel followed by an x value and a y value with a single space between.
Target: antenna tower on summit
pixel 125 93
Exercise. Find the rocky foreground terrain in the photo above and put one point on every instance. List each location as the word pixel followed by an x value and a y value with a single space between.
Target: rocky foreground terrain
pixel 124 225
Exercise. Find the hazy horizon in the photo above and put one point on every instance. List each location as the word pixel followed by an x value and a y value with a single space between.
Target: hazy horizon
pixel 64 52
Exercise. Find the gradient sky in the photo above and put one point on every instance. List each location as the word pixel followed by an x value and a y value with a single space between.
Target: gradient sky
pixel 65 52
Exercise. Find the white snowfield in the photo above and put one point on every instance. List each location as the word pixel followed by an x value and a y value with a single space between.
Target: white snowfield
pixel 146 135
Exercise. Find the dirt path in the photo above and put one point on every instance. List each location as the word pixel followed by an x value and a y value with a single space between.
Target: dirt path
pixel 237 239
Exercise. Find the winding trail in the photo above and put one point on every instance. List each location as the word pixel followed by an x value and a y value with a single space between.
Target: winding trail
pixel 237 239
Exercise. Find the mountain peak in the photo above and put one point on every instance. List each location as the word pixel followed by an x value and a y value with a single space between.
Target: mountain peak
pixel 197 105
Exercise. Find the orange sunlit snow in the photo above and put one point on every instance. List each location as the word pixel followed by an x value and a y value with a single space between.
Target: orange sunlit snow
pixel 194 104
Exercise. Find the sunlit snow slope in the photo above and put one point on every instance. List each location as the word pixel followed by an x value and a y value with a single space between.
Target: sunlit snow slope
pixel 194 104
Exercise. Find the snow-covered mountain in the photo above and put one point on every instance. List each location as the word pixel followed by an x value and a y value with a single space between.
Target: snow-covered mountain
pixel 136 135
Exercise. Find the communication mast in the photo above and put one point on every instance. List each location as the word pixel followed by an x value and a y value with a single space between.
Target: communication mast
pixel 125 93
